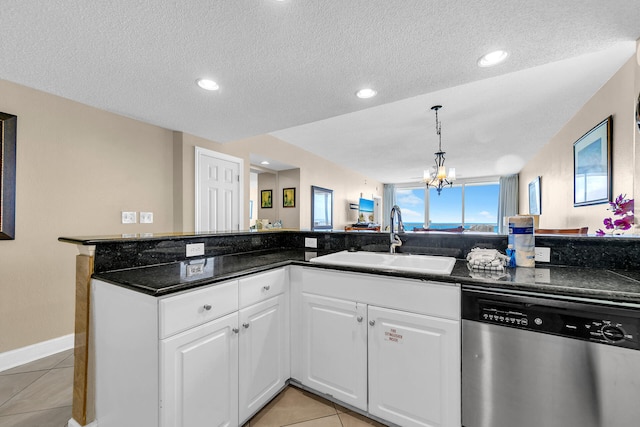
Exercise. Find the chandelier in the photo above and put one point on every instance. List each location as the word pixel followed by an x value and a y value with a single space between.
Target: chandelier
pixel 437 177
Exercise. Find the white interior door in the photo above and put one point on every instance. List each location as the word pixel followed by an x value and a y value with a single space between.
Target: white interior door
pixel 218 191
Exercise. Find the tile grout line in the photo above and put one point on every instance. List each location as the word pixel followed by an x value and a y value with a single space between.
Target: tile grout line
pixel 35 410
pixel 22 389
pixel 312 419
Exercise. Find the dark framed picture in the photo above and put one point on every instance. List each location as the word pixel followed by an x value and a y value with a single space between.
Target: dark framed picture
pixel 638 113
pixel 266 199
pixel 592 165
pixel 534 197
pixel 289 197
pixel 7 176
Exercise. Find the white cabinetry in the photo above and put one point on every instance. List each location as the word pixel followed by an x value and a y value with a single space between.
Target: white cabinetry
pixel 216 355
pixel 210 356
pixel 199 375
pixel 334 348
pixel 407 333
pixel 413 368
pixel 264 340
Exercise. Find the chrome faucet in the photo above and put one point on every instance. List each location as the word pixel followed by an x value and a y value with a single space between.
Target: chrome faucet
pixel 393 236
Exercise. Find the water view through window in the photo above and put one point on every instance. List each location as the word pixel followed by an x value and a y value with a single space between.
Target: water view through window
pixel 473 206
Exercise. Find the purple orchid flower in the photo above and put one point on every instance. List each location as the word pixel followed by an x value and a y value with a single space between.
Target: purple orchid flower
pixel 623 208
pixel 624 223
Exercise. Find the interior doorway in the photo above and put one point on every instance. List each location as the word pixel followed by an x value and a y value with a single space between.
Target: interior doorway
pixel 219 195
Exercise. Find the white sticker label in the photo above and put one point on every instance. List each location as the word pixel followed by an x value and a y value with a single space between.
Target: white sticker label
pixel 393 336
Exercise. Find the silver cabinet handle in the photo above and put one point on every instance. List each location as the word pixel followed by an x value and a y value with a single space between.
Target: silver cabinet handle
pixel 359 319
pixel 207 307
pixel 372 322
pixel 266 288
pixel 235 330
pixel 245 325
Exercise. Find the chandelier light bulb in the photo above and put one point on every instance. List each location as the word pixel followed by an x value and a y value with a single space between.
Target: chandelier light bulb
pixel 452 174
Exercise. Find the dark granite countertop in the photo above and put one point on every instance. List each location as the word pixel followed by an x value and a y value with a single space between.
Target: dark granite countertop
pixel 603 284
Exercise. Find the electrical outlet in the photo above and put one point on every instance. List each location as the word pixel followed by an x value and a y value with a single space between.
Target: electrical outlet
pixel 195 249
pixel 128 217
pixel 543 254
pixel 146 217
pixel 310 242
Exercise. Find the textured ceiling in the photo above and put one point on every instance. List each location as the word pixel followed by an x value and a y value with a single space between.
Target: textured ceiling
pixel 291 68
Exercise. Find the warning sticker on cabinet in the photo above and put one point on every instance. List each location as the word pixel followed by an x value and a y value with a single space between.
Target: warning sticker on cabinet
pixel 393 336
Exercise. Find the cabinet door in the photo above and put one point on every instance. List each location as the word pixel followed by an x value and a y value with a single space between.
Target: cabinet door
pixel 414 368
pixel 199 376
pixel 334 348
pixel 264 353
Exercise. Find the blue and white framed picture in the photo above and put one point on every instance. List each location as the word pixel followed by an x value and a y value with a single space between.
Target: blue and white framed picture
pixel 535 207
pixel 592 166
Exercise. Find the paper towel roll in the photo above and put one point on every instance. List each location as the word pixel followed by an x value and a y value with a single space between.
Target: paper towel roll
pixel 523 241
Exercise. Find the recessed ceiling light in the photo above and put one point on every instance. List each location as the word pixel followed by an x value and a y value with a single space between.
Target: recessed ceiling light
pixel 264 162
pixel 366 93
pixel 207 84
pixel 493 58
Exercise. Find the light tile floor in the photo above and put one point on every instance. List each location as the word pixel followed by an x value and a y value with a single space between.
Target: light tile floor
pixel 38 394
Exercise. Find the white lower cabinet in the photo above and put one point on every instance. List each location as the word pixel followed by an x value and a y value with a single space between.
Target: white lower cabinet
pixel 334 348
pixel 214 356
pixel 264 353
pixel 413 368
pixel 199 375
pixel 360 345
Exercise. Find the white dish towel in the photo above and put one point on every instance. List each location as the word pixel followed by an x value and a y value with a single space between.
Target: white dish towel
pixel 487 259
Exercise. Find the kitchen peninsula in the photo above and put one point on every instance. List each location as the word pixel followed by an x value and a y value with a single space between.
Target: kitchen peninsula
pixel 156 267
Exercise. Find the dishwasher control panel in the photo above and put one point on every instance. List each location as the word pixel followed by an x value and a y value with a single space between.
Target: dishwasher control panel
pixel 606 325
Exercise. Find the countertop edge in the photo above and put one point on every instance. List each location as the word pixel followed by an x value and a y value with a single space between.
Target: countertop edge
pixel 611 296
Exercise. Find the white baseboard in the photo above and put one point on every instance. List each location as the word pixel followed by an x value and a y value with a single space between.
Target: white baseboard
pixel 74 423
pixel 20 356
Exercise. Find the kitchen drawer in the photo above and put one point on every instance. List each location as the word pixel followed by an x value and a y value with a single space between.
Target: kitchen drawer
pixel 261 286
pixel 193 308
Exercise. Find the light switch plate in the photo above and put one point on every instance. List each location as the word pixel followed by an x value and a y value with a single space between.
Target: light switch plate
pixel 128 217
pixel 146 217
pixel 195 249
pixel 310 242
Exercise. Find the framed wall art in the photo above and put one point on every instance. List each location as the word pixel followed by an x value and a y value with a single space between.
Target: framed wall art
pixel 638 113
pixel 266 199
pixel 534 197
pixel 7 176
pixel 289 197
pixel 592 165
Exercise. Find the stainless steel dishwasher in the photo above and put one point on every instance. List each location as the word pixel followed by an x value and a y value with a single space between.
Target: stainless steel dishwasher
pixel 533 361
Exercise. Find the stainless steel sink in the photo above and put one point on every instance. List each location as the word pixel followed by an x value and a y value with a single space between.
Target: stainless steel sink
pixel 398 262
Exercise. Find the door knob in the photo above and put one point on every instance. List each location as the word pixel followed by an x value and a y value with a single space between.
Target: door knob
pixel 207 307
pixel 266 288
pixel 235 330
pixel 359 319
pixel 372 322
pixel 245 325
